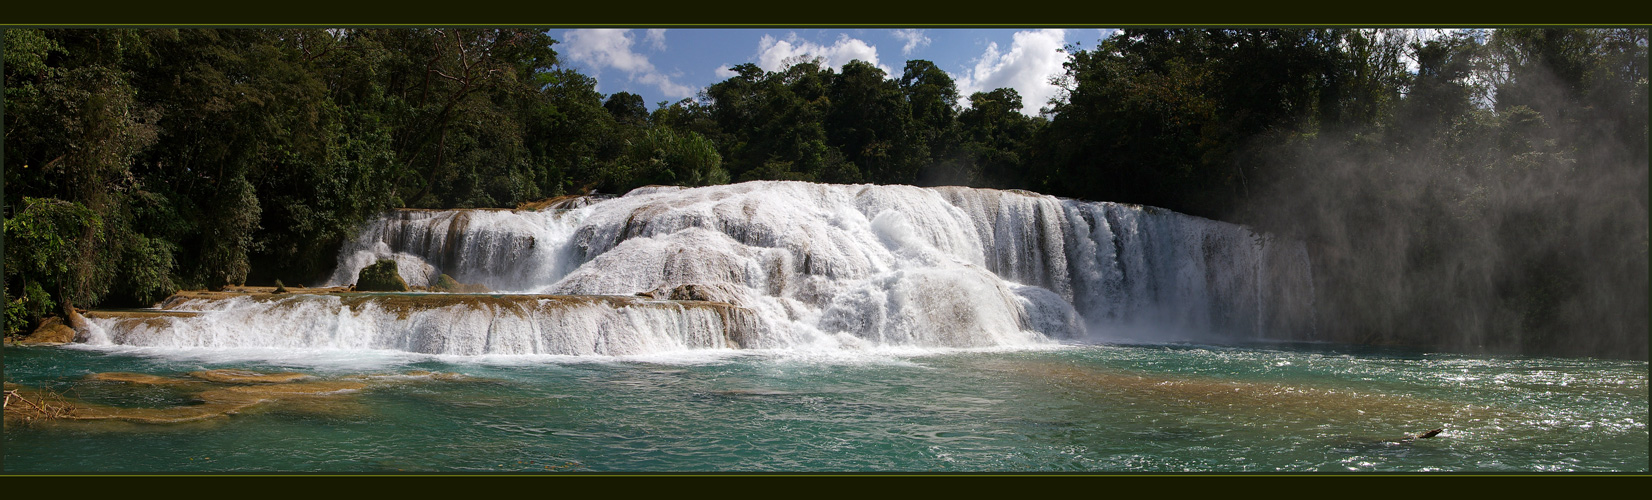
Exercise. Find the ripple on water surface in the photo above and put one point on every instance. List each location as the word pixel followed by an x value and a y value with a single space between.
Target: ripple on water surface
pixel 1080 408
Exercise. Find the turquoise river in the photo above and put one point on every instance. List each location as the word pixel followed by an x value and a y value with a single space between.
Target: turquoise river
pixel 1116 408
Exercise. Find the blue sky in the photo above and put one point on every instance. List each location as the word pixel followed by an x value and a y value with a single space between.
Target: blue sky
pixel 671 64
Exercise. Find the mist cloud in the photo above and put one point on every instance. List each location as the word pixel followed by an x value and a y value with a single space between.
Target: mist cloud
pixel 1520 228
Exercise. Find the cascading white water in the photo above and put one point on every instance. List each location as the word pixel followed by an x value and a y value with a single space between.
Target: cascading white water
pixel 802 264
pixel 505 250
pixel 454 325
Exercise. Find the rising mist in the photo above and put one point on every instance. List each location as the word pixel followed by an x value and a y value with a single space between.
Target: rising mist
pixel 1502 208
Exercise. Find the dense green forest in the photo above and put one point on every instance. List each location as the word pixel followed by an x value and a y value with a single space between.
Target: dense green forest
pixel 1493 197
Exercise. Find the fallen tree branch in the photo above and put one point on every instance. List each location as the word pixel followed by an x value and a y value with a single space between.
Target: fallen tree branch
pixel 12 394
pixel 46 409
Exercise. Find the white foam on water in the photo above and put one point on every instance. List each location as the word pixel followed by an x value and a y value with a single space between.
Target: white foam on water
pixel 326 360
pixel 693 357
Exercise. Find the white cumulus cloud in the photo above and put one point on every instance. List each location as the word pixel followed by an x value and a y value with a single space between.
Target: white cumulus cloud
pixel 611 49
pixel 725 72
pixel 1027 66
pixel 914 39
pixel 656 38
pixel 774 54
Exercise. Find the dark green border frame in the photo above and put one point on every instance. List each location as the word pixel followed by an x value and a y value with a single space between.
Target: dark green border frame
pixel 874 14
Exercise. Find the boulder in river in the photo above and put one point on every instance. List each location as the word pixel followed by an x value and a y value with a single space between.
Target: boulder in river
pixel 382 276
pixel 51 331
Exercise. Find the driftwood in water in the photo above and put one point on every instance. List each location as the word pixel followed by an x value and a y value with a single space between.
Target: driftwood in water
pixel 44 410
pixel 1414 437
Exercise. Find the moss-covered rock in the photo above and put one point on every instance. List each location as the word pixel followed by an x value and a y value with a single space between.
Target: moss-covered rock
pixel 711 293
pixel 51 331
pixel 447 284
pixel 382 276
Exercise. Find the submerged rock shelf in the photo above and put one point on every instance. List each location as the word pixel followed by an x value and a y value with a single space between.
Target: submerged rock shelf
pixel 215 394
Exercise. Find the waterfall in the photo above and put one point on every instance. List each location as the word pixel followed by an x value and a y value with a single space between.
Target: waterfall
pixel 505 250
pixel 778 265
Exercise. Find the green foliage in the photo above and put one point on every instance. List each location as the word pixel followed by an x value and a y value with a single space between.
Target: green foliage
pixel 773 125
pixel 17 318
pixel 868 122
pixel 279 288
pixel 381 276
pixel 995 139
pixel 51 245
pixel 148 268
pixel 662 156
pixel 25 56
pixel 934 128
pixel 627 108
pixel 41 237
pixel 23 313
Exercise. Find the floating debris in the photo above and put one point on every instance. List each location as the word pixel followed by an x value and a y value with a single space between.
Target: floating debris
pixel 29 406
